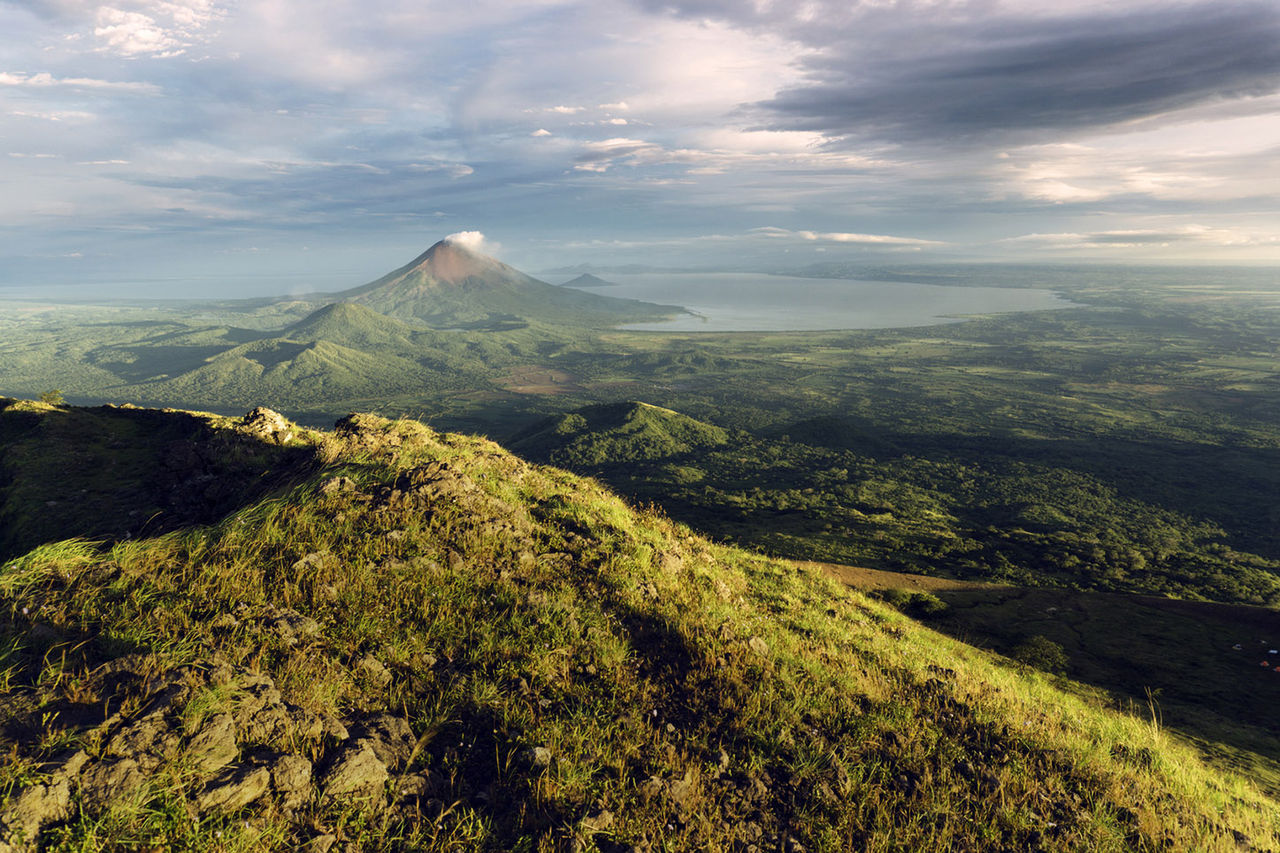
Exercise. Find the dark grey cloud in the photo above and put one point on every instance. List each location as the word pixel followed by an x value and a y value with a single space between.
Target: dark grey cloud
pixel 964 75
pixel 1024 78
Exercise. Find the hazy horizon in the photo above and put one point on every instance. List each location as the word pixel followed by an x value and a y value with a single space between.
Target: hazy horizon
pixel 251 285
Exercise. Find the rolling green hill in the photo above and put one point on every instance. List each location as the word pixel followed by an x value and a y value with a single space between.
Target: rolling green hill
pixel 292 372
pixel 417 641
pixel 616 433
pixel 352 325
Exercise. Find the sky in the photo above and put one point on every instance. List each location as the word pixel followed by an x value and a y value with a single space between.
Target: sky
pixel 220 146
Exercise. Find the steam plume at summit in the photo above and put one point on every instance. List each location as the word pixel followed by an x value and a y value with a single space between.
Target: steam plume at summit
pixel 472 241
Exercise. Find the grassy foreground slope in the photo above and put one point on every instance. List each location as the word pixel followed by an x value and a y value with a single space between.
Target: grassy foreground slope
pixel 419 641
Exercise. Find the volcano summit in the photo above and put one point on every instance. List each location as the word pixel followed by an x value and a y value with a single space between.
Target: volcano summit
pixel 454 285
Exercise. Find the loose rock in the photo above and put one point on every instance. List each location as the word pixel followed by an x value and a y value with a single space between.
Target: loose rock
pixel 374 669
pixel 356 774
pixel 291 778
pixel 214 745
pixel 235 790
pixel 105 782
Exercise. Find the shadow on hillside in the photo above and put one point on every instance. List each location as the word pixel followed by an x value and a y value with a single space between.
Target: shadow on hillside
pixel 118 473
pixel 142 364
pixel 1226 486
pixel 1221 484
pixel 1201 661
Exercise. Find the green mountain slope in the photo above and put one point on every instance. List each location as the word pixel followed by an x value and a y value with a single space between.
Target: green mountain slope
pixel 341 352
pixel 352 325
pixel 451 286
pixel 291 372
pixel 422 642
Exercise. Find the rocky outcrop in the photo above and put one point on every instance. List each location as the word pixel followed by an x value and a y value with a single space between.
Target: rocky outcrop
pixel 267 425
pixel 226 733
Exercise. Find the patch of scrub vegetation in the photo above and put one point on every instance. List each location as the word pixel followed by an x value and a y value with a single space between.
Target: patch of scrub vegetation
pixel 423 642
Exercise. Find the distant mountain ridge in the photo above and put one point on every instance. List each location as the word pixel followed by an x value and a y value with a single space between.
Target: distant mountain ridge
pixel 589 280
pixel 452 286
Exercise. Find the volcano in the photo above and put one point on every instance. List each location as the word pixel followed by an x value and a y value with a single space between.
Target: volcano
pixel 453 286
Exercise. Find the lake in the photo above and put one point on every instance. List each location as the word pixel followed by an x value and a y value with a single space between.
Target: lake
pixel 746 302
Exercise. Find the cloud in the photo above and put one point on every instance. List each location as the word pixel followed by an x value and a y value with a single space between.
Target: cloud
pixel 839 123
pixel 599 156
pixel 844 237
pixel 984 76
pixel 473 241
pixel 1219 160
pixel 136 28
pixel 732 150
pixel 44 80
pixel 1148 238
pixel 453 170
pixel 56 115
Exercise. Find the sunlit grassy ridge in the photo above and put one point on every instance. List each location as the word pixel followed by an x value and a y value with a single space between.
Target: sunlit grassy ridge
pixel 576 674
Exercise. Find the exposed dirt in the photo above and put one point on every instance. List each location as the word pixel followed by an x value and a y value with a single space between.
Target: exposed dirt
pixel 860 578
pixel 534 379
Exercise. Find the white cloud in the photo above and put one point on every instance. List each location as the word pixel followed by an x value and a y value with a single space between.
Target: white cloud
pixel 1219 158
pixel 56 115
pixel 844 237
pixel 44 80
pixel 137 28
pixel 620 107
pixel 453 170
pixel 542 131
pixel 157 28
pixel 1149 238
pixel 133 33
pixel 777 152
pixel 473 241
